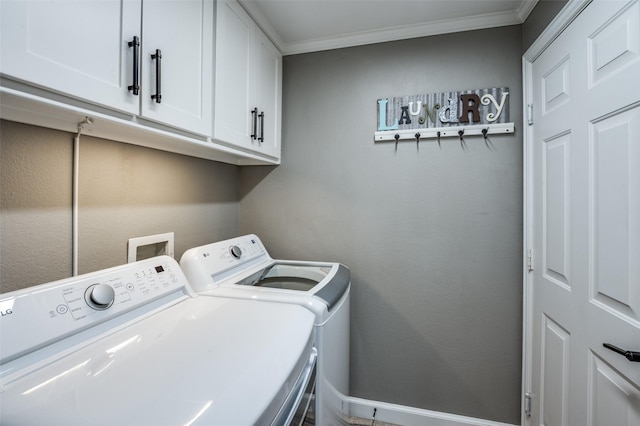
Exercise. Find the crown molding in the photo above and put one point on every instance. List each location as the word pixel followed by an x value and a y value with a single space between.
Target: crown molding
pixel 263 23
pixel 391 33
pixel 562 20
pixel 404 32
pixel 525 9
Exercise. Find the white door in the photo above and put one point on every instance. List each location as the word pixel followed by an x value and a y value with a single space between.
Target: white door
pixel 585 220
pixel 76 47
pixel 182 32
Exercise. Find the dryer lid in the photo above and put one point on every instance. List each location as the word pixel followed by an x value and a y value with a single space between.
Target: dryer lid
pixel 203 361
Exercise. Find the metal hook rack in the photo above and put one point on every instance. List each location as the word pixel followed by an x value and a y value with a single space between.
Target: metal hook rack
pixel 444 132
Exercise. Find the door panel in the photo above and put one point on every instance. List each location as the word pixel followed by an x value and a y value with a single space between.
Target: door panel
pixel 556 86
pixel 615 188
pixel 612 397
pixel 556 211
pixel 554 389
pixel 615 45
pixel 586 220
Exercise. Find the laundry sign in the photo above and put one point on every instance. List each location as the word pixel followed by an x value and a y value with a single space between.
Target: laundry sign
pixel 446 109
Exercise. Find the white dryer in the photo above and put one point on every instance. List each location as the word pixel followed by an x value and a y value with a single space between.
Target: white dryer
pixel 132 345
pixel 242 268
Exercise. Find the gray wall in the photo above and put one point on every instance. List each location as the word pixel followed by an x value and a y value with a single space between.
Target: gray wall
pixel 538 19
pixel 433 236
pixel 125 191
pixel 35 205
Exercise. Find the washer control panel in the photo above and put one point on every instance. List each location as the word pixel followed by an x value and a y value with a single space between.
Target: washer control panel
pixel 210 264
pixel 100 296
pixel 38 315
pixel 235 251
pixel 223 254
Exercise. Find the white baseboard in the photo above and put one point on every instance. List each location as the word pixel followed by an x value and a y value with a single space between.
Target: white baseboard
pixel 409 416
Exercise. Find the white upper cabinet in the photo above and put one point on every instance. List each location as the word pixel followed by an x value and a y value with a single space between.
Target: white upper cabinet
pixel 248 83
pixel 75 47
pixel 85 49
pixel 181 31
pixel 269 95
pixel 234 61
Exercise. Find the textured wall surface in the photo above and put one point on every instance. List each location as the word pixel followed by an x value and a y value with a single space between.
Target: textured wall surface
pixel 125 191
pixel 35 205
pixel 432 234
pixel 129 191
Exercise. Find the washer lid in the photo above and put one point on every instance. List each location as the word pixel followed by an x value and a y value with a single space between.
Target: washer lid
pixel 202 361
pixel 328 281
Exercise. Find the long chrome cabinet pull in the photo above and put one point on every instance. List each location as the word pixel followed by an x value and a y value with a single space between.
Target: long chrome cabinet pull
pixel 135 87
pixel 157 56
pixel 630 355
pixel 254 119
pixel 261 138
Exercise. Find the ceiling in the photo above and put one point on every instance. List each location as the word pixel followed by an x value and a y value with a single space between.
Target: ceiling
pixel 300 26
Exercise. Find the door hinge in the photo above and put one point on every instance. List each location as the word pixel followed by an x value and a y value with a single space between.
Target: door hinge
pixel 527 404
pixel 530 114
pixel 529 260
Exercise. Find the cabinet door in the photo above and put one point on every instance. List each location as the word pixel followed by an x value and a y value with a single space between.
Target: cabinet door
pixel 269 92
pixel 234 62
pixel 75 47
pixel 182 30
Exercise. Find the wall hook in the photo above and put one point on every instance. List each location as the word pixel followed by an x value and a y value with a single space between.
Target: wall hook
pixel 397 137
pixel 487 141
pixel 418 140
pixel 439 140
pixel 462 142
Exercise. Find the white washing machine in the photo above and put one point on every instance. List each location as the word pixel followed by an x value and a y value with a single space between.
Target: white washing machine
pixel 133 345
pixel 241 268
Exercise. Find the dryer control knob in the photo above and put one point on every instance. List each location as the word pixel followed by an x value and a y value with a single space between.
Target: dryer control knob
pixel 100 296
pixel 235 252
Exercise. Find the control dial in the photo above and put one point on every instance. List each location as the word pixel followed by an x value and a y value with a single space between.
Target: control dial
pixel 235 252
pixel 100 296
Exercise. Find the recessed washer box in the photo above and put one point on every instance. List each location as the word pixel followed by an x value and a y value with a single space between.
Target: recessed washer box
pixel 150 246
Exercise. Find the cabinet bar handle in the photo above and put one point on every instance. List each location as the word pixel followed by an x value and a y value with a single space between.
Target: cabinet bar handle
pixel 254 116
pixel 261 138
pixel 158 56
pixel 135 43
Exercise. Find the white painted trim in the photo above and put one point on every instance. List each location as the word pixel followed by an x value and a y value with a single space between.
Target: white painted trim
pixel 264 24
pixel 527 293
pixel 570 11
pixel 490 20
pixel 557 26
pixel 409 416
pixel 525 9
pixel 382 35
pixel 444 132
